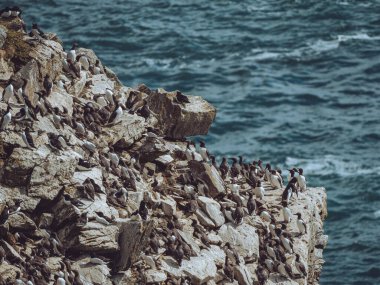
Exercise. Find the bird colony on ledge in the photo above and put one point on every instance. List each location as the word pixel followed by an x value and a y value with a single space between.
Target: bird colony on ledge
pixel 99 185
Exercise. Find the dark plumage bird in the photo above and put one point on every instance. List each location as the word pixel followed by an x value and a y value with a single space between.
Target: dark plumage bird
pixel 142 211
pixel 179 254
pixel 251 204
pixel 181 98
pixel 6 119
pixel 26 136
pixel 228 270
pixel 224 168
pixel 36 31
pixel 235 168
pixel 4 215
pixel 48 84
pixel 154 243
pixel 239 213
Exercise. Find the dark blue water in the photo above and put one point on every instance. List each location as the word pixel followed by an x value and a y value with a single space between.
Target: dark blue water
pixel 294 82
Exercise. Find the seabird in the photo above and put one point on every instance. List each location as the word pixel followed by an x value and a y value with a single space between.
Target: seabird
pixel 235 168
pixel 239 213
pixel 6 119
pixel 224 168
pixel 291 174
pixel 48 84
pixel 203 151
pixel 300 266
pixel 71 55
pixel 301 224
pixel 181 98
pixel 27 138
pixel 301 180
pixel 116 115
pixel 286 212
pixel 15 11
pixel 251 204
pixel 8 93
pixel 228 269
pixel 259 191
pixel 142 211
pixel 36 31
pixel 68 200
pixel 6 12
pixel 275 181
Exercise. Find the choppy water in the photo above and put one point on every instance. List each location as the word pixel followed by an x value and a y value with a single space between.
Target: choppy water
pixel 294 82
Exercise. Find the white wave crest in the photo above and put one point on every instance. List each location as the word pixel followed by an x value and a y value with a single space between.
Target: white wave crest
pixel 330 164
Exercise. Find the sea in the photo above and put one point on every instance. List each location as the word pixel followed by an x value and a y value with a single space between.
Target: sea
pixel 295 83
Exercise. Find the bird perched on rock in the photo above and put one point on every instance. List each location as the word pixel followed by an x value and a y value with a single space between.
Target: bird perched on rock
pixel 203 151
pixel 8 92
pixel 27 138
pixel 142 211
pixel 239 213
pixel 181 98
pixel 300 266
pixel 228 270
pixel 71 55
pixel 251 204
pixel 301 180
pixel 235 168
pixel 275 180
pixel 6 119
pixel 259 191
pixel 224 168
pixel 36 32
pixel 301 224
pixel 48 84
pixel 286 212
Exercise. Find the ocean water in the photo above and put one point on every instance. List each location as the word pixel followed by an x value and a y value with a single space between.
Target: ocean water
pixel 295 83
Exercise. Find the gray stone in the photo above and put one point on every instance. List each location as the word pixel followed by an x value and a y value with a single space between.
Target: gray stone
pixel 133 238
pixel 190 241
pixel 209 175
pixel 92 273
pixel 3 35
pixel 20 222
pixel 242 237
pixel 154 276
pixel 242 275
pixel 204 219
pixel 125 133
pixel 169 206
pixel 181 120
pixel 100 83
pixel 212 208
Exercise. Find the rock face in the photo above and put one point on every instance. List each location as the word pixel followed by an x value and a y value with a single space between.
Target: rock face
pixel 123 201
pixel 180 120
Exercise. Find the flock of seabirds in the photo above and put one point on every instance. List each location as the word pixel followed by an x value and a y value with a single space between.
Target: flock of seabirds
pixel 276 253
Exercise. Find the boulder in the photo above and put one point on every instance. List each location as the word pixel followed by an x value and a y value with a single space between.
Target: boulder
pixel 29 72
pixel 209 175
pixel 5 71
pixel 3 35
pixel 21 222
pixel 8 271
pixel 242 237
pixel 181 120
pixel 133 237
pixel 242 275
pixel 92 273
pixel 204 219
pixel 100 83
pixel 169 206
pixel 154 276
pixel 125 133
pixel 95 237
pixel 190 241
pixel 60 98
pixel 212 209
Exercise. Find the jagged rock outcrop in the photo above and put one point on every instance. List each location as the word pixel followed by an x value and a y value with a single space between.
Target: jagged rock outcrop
pixel 126 200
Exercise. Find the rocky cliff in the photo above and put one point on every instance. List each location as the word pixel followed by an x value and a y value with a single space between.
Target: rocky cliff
pixel 98 184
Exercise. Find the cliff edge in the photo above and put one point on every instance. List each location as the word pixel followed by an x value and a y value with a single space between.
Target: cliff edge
pixel 98 184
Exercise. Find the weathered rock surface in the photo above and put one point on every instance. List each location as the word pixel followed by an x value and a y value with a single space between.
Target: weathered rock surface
pixel 177 120
pixel 139 217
